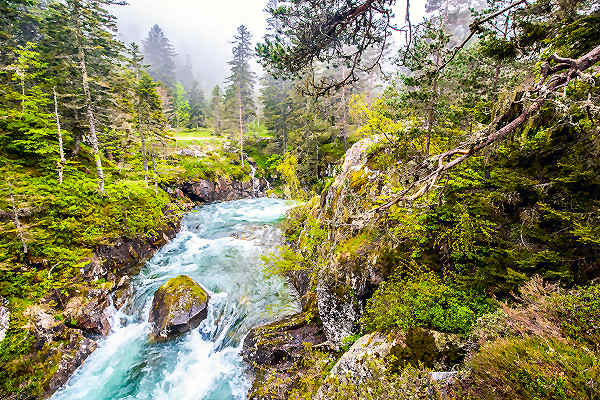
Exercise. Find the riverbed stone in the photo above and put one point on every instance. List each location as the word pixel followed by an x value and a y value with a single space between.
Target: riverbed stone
pixel 89 313
pixel 178 306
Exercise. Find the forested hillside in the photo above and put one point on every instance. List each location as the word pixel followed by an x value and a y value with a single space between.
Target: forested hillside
pixel 447 241
pixel 455 255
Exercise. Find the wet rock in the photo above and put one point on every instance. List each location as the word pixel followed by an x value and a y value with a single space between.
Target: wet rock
pixel 4 317
pixel 70 353
pixel 122 292
pixel 282 341
pixel 275 350
pixel 178 306
pixel 89 313
pixel 223 189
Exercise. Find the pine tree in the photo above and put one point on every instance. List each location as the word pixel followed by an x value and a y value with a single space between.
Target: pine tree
pixel 240 91
pixel 181 112
pixel 82 48
pixel 278 106
pixel 216 110
pixel 185 74
pixel 195 98
pixel 159 54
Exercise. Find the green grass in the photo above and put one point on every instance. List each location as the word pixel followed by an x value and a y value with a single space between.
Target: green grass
pixel 184 133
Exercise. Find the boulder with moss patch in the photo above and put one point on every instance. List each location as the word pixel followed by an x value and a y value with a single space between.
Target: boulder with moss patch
pixel 178 306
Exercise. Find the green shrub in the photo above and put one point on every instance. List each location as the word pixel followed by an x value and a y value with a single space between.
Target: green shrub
pixel 424 301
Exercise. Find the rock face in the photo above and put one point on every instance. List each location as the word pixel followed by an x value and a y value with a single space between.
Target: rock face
pixel 178 306
pixel 280 342
pixel 431 349
pixel 349 279
pixel 64 348
pixel 352 367
pixel 277 347
pixel 203 191
pixel 89 314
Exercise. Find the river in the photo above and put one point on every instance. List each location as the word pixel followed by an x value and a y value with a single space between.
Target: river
pixel 219 246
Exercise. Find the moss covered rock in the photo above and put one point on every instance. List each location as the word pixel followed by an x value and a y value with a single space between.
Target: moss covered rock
pixel 178 306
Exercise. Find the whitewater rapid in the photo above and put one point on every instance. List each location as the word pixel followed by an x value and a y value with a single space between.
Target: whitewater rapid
pixel 219 246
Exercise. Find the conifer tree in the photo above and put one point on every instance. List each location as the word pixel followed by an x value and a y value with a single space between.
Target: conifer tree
pixel 181 112
pixel 278 106
pixel 240 91
pixel 185 74
pixel 216 110
pixel 197 113
pixel 159 54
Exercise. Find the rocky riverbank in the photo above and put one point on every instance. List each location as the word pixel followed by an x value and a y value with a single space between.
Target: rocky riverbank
pixel 66 324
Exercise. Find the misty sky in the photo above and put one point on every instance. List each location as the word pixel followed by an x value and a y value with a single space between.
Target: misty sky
pixel 201 28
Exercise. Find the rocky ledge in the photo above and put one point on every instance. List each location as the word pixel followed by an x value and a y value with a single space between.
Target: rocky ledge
pixel 204 191
pixel 278 346
pixel 178 306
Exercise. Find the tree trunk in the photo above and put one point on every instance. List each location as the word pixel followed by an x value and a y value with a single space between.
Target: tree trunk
pixel 431 114
pixel 285 131
pixel 143 139
pixel 241 127
pixel 153 163
pixel 16 220
pixel 62 161
pixel 22 94
pixel 89 106
pixel 344 119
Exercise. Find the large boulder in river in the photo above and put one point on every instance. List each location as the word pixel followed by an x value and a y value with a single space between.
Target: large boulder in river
pixel 178 306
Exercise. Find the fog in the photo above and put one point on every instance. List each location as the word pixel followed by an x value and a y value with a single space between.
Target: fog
pixel 203 29
pixel 199 28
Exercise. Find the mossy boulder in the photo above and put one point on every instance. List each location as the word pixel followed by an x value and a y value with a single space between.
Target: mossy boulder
pixel 178 306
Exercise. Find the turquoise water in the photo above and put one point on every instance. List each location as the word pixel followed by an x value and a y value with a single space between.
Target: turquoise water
pixel 219 246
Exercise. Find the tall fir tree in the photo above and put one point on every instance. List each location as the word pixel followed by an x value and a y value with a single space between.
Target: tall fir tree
pixel 160 55
pixel 185 73
pixel 216 110
pixel 276 96
pixel 197 102
pixel 240 89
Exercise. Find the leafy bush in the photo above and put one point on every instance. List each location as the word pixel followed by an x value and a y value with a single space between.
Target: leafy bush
pixel 426 302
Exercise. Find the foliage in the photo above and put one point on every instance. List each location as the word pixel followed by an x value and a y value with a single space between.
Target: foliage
pixel 534 368
pixel 424 301
pixel 287 168
pixel 580 315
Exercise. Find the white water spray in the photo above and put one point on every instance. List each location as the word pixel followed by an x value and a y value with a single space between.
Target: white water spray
pixel 219 246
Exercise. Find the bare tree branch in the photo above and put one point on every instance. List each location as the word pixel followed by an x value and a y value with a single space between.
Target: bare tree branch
pixel 547 85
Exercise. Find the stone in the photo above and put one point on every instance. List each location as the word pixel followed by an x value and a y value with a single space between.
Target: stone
pixel 281 341
pixel 89 314
pixel 419 347
pixel 338 311
pixel 71 354
pixel 178 306
pixel 352 367
pixel 45 327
